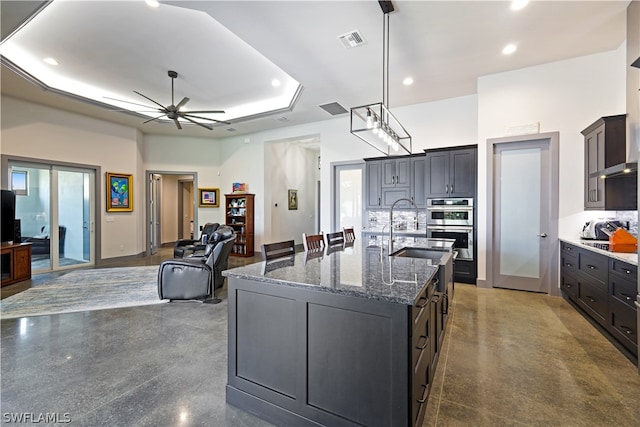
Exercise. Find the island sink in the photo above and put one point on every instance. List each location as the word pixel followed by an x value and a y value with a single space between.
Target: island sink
pixel 421 253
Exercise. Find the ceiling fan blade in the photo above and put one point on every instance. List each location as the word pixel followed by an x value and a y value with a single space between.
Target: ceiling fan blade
pixel 207 112
pixel 181 103
pixel 177 124
pixel 144 96
pixel 204 118
pixel 155 118
pixel 196 123
pixel 129 102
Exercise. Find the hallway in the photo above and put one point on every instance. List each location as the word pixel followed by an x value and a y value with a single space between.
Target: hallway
pixel 509 358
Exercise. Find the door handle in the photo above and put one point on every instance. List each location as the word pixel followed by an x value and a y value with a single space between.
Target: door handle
pixel 451 188
pixel 446 188
pixel 542 235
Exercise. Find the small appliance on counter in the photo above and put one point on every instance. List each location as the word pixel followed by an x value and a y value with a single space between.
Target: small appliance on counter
pixel 599 230
pixel 622 241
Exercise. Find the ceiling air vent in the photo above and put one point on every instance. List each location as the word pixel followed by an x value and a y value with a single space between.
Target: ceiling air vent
pixel 351 39
pixel 333 108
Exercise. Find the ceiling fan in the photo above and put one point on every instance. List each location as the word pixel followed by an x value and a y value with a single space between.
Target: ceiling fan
pixel 173 112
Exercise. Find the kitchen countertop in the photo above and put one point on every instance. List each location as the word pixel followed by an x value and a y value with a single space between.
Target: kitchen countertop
pixel 631 258
pixel 362 270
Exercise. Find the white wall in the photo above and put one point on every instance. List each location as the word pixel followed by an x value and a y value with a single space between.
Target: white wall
pixel 36 131
pixel 564 96
pixel 289 166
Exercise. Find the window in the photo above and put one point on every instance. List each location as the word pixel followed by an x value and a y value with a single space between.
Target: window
pixel 20 182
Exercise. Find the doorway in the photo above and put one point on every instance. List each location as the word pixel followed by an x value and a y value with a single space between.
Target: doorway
pixel 171 207
pixel 347 203
pixel 522 217
pixel 56 208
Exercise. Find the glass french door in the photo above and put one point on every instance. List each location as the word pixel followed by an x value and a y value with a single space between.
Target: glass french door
pixel 348 197
pixel 56 210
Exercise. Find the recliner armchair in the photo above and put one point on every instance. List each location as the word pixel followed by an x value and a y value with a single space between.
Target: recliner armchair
pixel 197 277
pixel 185 247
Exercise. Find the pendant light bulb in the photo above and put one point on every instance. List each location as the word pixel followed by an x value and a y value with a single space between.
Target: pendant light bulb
pixel 369 119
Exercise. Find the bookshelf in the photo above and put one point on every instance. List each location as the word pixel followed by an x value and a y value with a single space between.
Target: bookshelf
pixel 239 215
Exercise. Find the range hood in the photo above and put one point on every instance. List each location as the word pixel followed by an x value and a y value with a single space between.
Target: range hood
pixel 616 170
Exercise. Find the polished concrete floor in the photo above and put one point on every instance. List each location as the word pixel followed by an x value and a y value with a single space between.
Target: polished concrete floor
pixel 509 358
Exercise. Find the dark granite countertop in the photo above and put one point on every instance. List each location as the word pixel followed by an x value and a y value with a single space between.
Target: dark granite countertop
pixel 361 270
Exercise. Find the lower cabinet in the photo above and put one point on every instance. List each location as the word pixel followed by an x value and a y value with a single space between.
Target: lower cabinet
pixel 303 357
pixel 604 288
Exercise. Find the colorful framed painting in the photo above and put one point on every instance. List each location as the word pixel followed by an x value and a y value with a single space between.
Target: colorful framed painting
pixel 119 192
pixel 209 197
pixel 293 200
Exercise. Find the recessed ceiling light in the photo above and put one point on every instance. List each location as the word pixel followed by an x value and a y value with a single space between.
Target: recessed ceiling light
pixel 509 49
pixel 275 82
pixel 152 3
pixel 50 61
pixel 408 81
pixel 519 4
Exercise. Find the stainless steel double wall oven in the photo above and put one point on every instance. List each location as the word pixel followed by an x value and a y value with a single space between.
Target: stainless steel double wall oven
pixel 453 218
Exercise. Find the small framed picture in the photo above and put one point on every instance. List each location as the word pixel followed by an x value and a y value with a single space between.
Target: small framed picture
pixel 119 192
pixel 293 200
pixel 209 197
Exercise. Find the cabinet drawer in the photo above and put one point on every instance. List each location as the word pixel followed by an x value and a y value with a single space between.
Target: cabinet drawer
pixel 595 301
pixel 567 248
pixel 420 390
pixel 623 269
pixel 622 289
pixel 624 325
pixel 569 285
pixel 421 305
pixel 421 339
pixel 569 263
pixel 594 265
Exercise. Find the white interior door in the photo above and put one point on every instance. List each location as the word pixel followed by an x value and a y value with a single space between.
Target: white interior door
pixel 523 234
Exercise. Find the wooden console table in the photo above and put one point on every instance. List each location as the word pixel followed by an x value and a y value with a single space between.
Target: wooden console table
pixel 15 262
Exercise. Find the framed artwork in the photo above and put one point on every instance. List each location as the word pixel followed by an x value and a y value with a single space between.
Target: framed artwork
pixel 209 197
pixel 293 200
pixel 119 192
pixel 239 187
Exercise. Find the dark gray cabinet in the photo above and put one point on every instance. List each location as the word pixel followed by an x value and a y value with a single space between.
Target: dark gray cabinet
pixel 302 357
pixel 373 187
pixel 604 288
pixel 396 172
pixel 388 180
pixel 605 146
pixel 418 181
pixel 451 172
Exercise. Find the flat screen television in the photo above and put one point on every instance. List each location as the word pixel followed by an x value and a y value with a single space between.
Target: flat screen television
pixel 8 216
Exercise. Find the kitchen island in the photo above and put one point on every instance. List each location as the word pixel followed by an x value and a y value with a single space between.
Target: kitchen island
pixel 348 336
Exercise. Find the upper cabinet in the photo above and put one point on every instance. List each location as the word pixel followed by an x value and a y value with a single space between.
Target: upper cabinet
pixel 451 172
pixel 396 172
pixel 390 179
pixel 418 181
pixel 604 147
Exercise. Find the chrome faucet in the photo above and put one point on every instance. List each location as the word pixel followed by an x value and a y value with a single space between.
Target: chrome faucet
pixel 404 199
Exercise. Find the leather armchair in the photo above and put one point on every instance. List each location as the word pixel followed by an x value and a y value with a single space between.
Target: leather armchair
pixel 197 277
pixel 186 247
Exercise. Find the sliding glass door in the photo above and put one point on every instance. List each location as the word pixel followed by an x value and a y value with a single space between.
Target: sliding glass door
pixel 56 209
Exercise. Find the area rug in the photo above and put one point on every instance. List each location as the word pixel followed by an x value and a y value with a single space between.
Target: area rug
pixel 84 290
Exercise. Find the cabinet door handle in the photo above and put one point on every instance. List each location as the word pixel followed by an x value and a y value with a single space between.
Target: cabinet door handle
pixel 393 179
pixel 446 188
pixel 592 267
pixel 568 285
pixel 426 341
pixel 627 297
pixel 569 248
pixel 424 394
pixel 627 271
pixel 568 264
pixel 378 201
pixel 627 330
pixel 451 188
pixel 590 298
pixel 423 304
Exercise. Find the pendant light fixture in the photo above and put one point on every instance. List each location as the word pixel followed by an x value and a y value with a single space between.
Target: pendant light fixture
pixel 374 123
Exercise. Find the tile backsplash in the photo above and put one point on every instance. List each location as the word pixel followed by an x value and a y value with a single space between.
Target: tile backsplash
pixel 402 219
pixel 630 217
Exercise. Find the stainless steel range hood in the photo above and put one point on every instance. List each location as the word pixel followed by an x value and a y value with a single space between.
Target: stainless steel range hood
pixel 616 170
